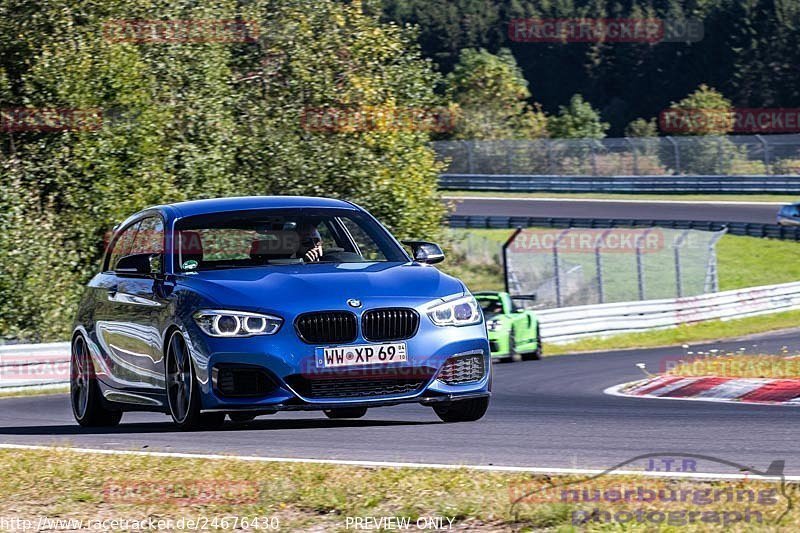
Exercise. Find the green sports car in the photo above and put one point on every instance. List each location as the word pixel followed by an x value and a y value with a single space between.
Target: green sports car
pixel 513 332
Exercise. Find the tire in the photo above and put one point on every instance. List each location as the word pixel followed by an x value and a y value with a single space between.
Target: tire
pixel 183 396
pixel 462 410
pixel 84 392
pixel 537 353
pixel 345 412
pixel 241 417
pixel 513 355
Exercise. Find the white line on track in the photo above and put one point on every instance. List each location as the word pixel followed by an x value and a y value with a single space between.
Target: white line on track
pixel 390 464
pixel 609 200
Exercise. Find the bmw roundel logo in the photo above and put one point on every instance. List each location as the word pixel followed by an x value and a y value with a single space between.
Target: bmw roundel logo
pixel 353 302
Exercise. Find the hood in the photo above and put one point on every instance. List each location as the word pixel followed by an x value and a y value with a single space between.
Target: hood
pixel 310 287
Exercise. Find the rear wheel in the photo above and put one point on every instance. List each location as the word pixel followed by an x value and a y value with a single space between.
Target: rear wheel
pixel 85 395
pixel 345 412
pixel 462 410
pixel 183 395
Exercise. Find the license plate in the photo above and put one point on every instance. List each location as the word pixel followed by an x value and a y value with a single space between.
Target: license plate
pixel 363 354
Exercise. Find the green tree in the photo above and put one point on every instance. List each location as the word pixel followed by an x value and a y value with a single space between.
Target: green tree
pixel 188 120
pixel 642 128
pixel 578 120
pixel 704 112
pixel 707 116
pixel 492 98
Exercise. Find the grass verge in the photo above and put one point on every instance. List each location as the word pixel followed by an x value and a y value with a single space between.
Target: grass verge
pixel 67 485
pixel 33 392
pixel 742 262
pixel 705 331
pixel 621 196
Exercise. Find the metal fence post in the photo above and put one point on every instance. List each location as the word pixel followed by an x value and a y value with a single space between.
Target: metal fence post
pixel 676 244
pixel 557 265
pixel 765 145
pixel 719 165
pixel 640 262
pixel 506 266
pixel 677 154
pixel 470 158
pixel 635 157
pixel 598 261
pixel 549 155
pixel 594 159
pixel 712 279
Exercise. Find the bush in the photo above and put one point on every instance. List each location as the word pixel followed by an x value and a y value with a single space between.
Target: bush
pixel 747 167
pixel 786 167
pixel 613 164
pixel 578 120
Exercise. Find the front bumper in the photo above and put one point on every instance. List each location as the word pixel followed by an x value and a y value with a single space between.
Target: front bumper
pixel 499 344
pixel 291 367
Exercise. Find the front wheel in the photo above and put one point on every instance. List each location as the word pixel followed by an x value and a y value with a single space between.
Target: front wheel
pixel 513 354
pixel 537 353
pixel 85 395
pixel 183 394
pixel 462 410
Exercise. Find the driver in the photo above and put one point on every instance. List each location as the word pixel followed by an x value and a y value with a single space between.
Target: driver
pixel 310 243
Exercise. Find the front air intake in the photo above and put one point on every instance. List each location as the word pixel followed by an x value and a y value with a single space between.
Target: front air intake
pixel 463 369
pixel 241 381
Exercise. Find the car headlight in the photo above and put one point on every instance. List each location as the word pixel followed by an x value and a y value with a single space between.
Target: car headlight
pixel 462 311
pixel 236 323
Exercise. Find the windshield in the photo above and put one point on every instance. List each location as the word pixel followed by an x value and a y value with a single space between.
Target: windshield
pixel 282 237
pixel 491 306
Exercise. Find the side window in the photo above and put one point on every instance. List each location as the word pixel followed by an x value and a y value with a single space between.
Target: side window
pixel 122 246
pixel 150 237
pixel 368 248
pixel 328 242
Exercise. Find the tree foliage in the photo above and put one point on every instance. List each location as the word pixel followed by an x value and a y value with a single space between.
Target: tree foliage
pixel 186 120
pixel 578 120
pixel 492 98
pixel 747 50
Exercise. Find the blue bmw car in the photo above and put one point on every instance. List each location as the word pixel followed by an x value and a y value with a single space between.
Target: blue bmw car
pixel 243 307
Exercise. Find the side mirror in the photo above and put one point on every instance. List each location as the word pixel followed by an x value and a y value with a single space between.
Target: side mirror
pixel 139 264
pixel 426 252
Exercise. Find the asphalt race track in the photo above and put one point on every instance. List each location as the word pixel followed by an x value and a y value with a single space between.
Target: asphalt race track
pixel 763 213
pixel 551 413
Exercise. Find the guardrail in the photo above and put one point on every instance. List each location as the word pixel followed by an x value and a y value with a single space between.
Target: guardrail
pixel 34 365
pixel 749 229
pixel 779 184
pixel 37 365
pixel 571 323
